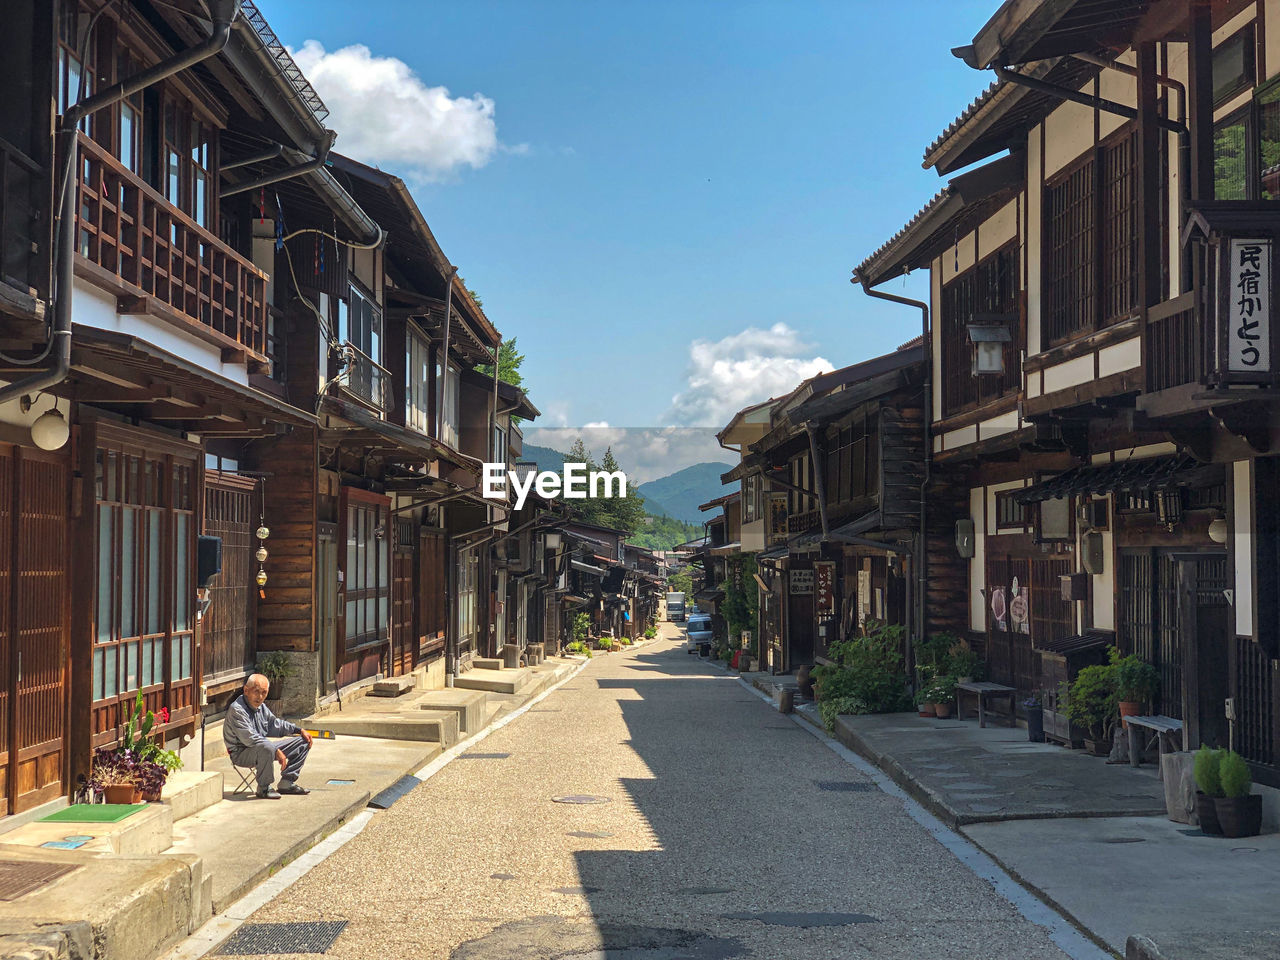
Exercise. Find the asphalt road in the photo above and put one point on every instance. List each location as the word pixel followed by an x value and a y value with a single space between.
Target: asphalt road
pixel 729 831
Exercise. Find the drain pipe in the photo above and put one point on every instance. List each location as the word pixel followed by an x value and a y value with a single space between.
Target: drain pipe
pixel 922 563
pixel 1085 99
pixel 223 13
pixel 818 482
pixel 444 354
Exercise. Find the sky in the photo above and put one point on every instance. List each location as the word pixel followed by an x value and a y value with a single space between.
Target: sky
pixel 663 201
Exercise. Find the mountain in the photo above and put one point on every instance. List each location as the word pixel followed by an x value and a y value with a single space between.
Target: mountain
pixel 544 457
pixel 679 494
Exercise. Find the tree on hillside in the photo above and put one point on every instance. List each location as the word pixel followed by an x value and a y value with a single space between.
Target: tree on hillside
pixel 681 581
pixel 509 360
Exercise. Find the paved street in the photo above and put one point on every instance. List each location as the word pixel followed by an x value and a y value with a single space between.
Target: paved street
pixel 731 831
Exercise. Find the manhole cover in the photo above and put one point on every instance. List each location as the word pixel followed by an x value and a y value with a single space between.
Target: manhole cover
pixel 1244 849
pixel 314 936
pixel 1194 832
pixel 844 786
pixel 20 877
pixel 484 756
pixel 580 798
pixel 1123 840
pixel 400 788
pixel 339 783
pixel 589 834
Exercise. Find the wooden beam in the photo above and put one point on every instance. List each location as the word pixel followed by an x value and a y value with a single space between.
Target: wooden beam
pixel 1150 175
pixel 1200 99
pixel 1016 28
pixel 129 304
pixel 234 355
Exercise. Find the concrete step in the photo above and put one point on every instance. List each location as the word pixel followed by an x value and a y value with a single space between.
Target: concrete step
pixel 493 681
pixel 393 686
pixel 432 726
pixel 142 834
pixel 487 663
pixel 187 792
pixel 468 704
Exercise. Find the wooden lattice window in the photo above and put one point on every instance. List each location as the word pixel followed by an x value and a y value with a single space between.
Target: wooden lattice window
pixel 1010 514
pixel 852 460
pixel 367 572
pixel 1070 219
pixel 1118 239
pixel 991 287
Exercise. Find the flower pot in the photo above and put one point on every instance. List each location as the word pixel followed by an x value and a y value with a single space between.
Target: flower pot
pixel 942 710
pixel 1207 814
pixel 1239 816
pixel 1098 748
pixel 928 710
pixel 121 793
pixel 1035 724
pixel 153 797
pixel 1129 708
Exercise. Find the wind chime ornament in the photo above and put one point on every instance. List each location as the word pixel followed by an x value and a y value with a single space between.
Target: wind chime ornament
pixel 261 533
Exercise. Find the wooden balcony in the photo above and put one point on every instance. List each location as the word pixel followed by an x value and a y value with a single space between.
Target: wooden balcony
pixel 804 522
pixel 159 261
pixel 1175 347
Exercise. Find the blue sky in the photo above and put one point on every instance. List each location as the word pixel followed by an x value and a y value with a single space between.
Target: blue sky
pixel 662 173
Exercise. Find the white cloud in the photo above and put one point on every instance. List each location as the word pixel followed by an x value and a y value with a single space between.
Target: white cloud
pixel 741 369
pixel 387 116
pixel 644 453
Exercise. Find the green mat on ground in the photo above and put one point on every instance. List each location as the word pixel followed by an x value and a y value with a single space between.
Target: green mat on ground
pixel 94 813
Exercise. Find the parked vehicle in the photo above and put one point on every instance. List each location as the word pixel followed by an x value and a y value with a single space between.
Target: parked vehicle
pixel 699 627
pixel 675 607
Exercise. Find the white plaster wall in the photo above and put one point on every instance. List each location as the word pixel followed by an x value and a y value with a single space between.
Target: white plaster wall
pixel 1005 423
pixel 1104 584
pixel 1069 374
pixel 1242 534
pixel 1033 238
pixel 1035 382
pixel 958 438
pixel 1068 133
pixel 96 308
pixel 11 410
pixel 959 257
pixel 1119 357
pixel 977 566
pixel 998 229
pixel 1121 88
pixel 753 536
pixel 1271 38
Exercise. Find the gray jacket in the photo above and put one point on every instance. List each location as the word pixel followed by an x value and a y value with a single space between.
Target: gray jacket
pixel 245 727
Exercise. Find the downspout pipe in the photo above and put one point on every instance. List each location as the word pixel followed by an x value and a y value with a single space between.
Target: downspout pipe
pixel 818 482
pixel 223 13
pixel 444 353
pixel 922 552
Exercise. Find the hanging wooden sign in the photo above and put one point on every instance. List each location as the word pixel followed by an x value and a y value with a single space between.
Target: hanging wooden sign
pixel 824 588
pixel 1248 304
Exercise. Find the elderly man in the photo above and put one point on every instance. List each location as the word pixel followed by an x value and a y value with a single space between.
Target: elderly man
pixel 247 731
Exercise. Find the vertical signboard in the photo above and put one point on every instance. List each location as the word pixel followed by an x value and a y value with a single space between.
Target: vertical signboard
pixel 1248 307
pixel 777 518
pixel 824 588
pixel 801 583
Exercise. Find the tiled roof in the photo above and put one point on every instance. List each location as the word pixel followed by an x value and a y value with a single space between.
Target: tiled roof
pixel 928 208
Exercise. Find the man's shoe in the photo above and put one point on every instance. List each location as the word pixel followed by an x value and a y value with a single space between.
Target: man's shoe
pixel 292 789
pixel 268 794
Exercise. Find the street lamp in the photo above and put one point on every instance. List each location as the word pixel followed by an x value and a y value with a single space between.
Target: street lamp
pixel 988 333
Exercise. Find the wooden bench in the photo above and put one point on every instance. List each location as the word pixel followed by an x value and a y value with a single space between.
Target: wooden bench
pixel 1162 727
pixel 982 691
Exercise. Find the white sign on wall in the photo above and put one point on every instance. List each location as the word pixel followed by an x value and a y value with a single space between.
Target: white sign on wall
pixel 1249 306
pixel 801 582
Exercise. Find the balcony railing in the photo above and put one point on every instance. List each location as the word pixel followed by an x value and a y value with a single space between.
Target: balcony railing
pixel 364 379
pixel 19 178
pixel 1175 344
pixel 804 522
pixel 129 230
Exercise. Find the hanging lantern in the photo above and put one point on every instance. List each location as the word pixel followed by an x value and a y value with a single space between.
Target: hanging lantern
pixel 1168 507
pixel 263 533
pixel 261 578
pixel 261 555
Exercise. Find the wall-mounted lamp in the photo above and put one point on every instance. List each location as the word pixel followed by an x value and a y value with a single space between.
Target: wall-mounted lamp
pixel 988 334
pixel 1218 530
pixel 551 540
pixel 50 430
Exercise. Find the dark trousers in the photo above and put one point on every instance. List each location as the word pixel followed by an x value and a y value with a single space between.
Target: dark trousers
pixel 263 760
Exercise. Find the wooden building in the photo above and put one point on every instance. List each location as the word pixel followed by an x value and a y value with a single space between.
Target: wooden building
pixel 1119 459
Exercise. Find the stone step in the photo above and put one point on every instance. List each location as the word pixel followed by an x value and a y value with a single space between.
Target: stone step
pixel 468 704
pixel 487 663
pixel 142 834
pixel 432 726
pixel 393 686
pixel 493 681
pixel 187 792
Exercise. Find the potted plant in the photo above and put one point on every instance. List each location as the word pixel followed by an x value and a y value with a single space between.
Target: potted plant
pixel 1035 718
pixel 113 775
pixel 962 663
pixel 153 762
pixel 1094 705
pixel 275 666
pixel 1206 768
pixel 924 705
pixel 943 695
pixel 1136 684
pixel 1239 811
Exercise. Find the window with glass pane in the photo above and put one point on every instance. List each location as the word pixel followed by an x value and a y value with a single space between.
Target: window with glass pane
pixel 1231 158
pixel 367 574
